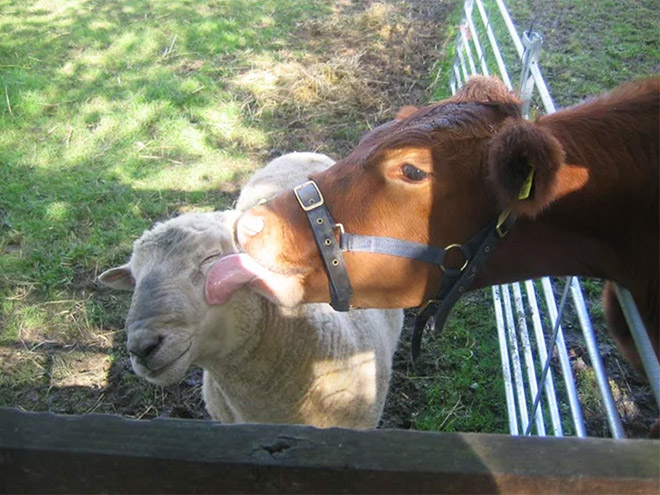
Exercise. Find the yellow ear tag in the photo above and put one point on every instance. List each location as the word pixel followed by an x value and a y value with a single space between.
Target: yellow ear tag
pixel 526 188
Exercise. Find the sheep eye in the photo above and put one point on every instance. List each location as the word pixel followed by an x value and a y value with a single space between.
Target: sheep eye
pixel 209 259
pixel 413 173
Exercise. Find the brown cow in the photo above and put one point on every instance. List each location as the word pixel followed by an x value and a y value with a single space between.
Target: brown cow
pixel 438 174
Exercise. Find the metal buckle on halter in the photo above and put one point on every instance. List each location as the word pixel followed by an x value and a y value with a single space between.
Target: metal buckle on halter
pixel 421 309
pixel 460 248
pixel 340 227
pixel 314 204
pixel 500 221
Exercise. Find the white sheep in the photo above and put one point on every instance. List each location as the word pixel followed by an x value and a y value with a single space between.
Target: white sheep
pixel 262 363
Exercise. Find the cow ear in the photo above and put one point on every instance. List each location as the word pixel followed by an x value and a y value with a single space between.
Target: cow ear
pixel 483 89
pixel 406 112
pixel 523 165
pixel 119 277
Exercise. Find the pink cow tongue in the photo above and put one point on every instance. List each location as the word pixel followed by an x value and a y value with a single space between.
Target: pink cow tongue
pixel 229 274
pixel 238 270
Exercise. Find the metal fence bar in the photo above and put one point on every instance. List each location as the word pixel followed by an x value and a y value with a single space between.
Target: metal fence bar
pixel 461 58
pixel 468 50
pixel 548 383
pixel 613 419
pixel 515 358
pixel 532 42
pixel 468 8
pixel 510 26
pixel 493 44
pixel 528 355
pixel 504 358
pixel 567 372
pixel 641 338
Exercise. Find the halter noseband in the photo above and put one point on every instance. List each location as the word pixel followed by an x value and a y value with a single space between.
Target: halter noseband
pixel 455 281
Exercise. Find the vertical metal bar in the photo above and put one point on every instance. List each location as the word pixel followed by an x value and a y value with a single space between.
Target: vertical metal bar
pixel 493 44
pixel 641 338
pixel 567 372
pixel 527 354
pixel 548 383
pixel 457 74
pixel 506 368
pixel 469 4
pixel 541 87
pixel 504 12
pixel 613 419
pixel 553 343
pixel 515 358
pixel 461 58
pixel 468 50
pixel 532 42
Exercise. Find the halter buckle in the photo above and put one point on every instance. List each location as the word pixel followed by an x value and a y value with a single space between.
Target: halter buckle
pixel 500 222
pixel 465 256
pixel 426 305
pixel 312 204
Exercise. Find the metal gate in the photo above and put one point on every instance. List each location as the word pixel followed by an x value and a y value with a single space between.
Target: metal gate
pixel 534 397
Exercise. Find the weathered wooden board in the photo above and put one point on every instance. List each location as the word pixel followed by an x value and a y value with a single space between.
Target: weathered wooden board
pixel 42 452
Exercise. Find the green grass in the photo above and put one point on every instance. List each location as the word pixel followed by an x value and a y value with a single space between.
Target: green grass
pixel 463 393
pixel 106 126
pixel 588 47
pixel 113 115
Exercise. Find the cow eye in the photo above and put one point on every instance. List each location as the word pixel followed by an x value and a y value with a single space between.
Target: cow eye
pixel 413 173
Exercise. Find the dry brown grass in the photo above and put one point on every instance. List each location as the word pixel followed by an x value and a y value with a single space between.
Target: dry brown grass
pixel 350 71
pixel 296 88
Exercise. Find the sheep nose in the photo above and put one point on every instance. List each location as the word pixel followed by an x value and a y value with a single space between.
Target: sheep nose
pixel 143 343
pixel 249 225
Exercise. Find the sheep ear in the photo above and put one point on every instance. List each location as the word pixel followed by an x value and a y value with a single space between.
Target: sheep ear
pixel 484 89
pixel 119 277
pixel 523 164
pixel 406 112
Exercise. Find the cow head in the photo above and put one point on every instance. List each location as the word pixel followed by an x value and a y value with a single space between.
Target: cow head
pixel 433 175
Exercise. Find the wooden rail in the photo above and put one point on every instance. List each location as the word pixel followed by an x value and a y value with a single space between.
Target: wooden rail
pixel 42 452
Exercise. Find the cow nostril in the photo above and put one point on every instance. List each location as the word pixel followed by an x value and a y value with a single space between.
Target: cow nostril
pixel 143 348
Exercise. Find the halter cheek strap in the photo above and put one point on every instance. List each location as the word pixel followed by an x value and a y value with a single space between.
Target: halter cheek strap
pixel 311 201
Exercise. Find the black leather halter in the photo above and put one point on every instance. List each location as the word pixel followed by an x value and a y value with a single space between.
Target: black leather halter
pixel 455 281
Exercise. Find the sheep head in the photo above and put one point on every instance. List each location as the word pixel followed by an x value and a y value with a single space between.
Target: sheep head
pixel 169 324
